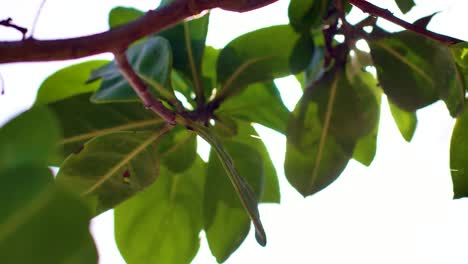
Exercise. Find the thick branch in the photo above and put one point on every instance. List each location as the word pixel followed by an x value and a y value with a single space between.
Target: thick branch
pixel 387 15
pixel 142 90
pixel 118 38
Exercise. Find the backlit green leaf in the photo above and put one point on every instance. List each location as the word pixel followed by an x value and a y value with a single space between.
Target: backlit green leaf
pixel 262 55
pixel 304 14
pixel 162 223
pixel 247 135
pixel 259 103
pixel 69 81
pixel 405 121
pixel 181 151
pixel 151 60
pixel 415 71
pixel 187 41
pixel 314 156
pixel 30 138
pixel 352 106
pixel 245 193
pixel 41 223
pixel 460 53
pixel 82 120
pixel 122 15
pixel 458 157
pixel 225 220
pixel 111 168
pixel 366 147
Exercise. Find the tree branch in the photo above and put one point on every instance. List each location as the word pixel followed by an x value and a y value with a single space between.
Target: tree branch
pixel 387 15
pixel 118 38
pixel 141 89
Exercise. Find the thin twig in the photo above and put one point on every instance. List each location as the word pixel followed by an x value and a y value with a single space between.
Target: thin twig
pixel 36 18
pixel 141 89
pixel 8 23
pixel 387 15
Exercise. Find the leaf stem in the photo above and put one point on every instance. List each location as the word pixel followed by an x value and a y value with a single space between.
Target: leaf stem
pixel 140 88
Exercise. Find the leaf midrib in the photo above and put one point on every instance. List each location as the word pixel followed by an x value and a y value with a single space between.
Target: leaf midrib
pixel 125 160
pixel 411 65
pixel 109 130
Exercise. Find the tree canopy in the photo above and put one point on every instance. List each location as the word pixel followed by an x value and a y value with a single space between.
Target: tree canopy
pixel 123 133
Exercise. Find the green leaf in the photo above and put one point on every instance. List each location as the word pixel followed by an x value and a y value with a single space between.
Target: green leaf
pixel 151 60
pixel 259 103
pixel 187 40
pixel 458 157
pixel 181 151
pixel 41 223
pixel 306 14
pixel 424 68
pixel 247 135
pixel 352 106
pixel 314 156
pixel 210 58
pixel 82 120
pixel 405 5
pixel 366 147
pixel 405 121
pixel 68 82
pixel 246 195
pixel 162 223
pixel 30 138
pixel 113 167
pixel 225 221
pixel 122 15
pixel 460 53
pixel 262 55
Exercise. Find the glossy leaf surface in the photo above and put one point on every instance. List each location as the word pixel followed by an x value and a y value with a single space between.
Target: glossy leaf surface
pixel 405 121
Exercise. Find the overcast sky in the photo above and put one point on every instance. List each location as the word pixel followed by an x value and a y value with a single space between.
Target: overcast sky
pixel 399 210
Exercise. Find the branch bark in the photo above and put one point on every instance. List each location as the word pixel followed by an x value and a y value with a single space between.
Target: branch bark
pixel 387 15
pixel 31 49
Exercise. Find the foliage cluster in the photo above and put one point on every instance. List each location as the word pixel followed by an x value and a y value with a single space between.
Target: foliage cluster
pixel 113 153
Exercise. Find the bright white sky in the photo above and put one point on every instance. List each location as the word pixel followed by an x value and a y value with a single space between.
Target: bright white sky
pixel 399 210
